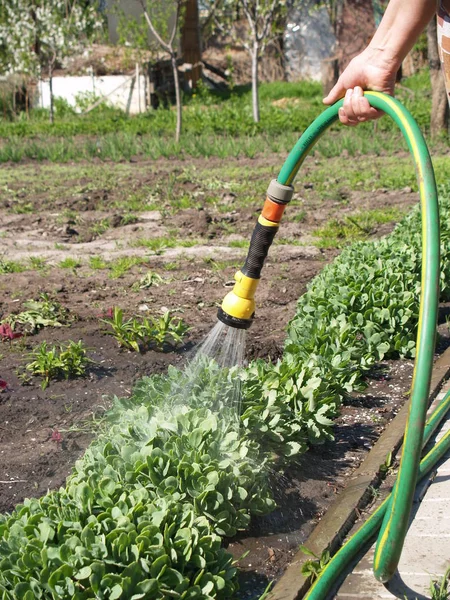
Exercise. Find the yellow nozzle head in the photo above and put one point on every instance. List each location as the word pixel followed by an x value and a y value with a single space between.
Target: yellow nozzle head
pixel 238 306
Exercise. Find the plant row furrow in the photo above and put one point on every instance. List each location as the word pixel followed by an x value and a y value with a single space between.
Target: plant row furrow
pixel 145 510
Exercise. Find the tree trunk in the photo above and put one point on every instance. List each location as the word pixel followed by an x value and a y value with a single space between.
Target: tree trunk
pixel 191 49
pixel 176 81
pixel 439 106
pixel 50 85
pixel 255 90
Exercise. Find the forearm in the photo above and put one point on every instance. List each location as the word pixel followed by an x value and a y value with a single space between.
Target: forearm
pixel 402 23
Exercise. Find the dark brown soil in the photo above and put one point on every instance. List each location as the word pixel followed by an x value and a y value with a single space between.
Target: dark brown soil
pixel 42 432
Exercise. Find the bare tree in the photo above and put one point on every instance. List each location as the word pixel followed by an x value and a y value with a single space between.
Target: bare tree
pixel 162 24
pixel 439 106
pixel 262 17
pixel 191 47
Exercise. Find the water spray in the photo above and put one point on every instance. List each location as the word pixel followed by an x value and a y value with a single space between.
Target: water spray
pixel 238 306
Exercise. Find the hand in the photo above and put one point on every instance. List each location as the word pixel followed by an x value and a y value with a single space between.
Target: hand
pixel 370 71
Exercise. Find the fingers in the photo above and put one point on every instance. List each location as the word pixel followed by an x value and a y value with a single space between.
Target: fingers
pixel 335 94
pixel 356 108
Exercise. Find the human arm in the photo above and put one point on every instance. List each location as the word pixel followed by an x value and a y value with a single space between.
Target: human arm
pixel 376 67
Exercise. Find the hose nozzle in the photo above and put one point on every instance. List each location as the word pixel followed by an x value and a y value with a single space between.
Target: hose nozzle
pixel 238 306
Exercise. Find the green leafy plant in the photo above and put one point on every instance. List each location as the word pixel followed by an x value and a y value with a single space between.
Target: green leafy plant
pixel 50 362
pixel 440 590
pixel 167 329
pixel 44 312
pixel 127 332
pixel 313 568
pixel 150 279
pixel 139 334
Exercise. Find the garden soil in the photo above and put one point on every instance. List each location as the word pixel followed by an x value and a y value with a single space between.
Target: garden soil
pixel 43 432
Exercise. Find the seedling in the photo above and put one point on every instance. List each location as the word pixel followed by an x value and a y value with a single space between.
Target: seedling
pixel 44 312
pixel 70 263
pixel 313 568
pixel 148 280
pixel 127 333
pixel 168 329
pixel 440 590
pixel 7 333
pixel 50 362
pixel 139 334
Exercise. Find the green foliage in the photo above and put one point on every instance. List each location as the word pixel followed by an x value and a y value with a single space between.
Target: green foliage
pixel 139 334
pixel 150 279
pixel 143 511
pixel 50 362
pixel 314 567
pixel 440 590
pixel 10 266
pixel 339 232
pixel 44 312
pixel 146 507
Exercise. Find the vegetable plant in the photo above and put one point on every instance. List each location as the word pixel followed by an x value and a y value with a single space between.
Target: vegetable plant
pixel 50 362
pixel 44 312
pixel 173 471
pixel 139 334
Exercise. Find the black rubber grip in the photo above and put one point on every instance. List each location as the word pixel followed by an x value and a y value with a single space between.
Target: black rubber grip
pixel 260 243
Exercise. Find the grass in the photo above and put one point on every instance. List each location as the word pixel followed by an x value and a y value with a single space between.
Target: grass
pixel 70 263
pixel 340 232
pixel 10 266
pixel 214 125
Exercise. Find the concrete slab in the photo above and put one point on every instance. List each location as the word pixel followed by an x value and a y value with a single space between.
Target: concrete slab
pixel 426 552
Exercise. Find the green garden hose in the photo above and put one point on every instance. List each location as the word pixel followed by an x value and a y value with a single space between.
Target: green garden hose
pixel 396 515
pixel 367 532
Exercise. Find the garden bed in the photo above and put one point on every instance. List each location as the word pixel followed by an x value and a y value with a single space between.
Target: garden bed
pixel 44 431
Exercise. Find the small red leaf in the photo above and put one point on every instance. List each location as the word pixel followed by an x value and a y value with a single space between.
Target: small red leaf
pixel 56 436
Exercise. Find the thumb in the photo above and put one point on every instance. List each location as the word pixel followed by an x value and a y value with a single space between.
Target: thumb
pixel 335 93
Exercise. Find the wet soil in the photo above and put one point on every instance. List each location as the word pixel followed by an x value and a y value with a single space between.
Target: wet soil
pixel 42 432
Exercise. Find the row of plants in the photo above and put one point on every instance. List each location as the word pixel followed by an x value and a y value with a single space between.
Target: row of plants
pixel 145 510
pixel 70 360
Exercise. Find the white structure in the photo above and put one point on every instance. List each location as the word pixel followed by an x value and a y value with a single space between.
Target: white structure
pixel 129 93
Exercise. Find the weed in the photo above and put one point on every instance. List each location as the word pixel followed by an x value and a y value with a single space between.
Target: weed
pixel 440 590
pixel 70 263
pixel 44 312
pixel 10 266
pixel 339 232
pixel 97 262
pixel 129 219
pixel 171 266
pixel 50 362
pixel 100 227
pixel 122 265
pixel 37 263
pixel 148 280
pixel 299 217
pixel 313 568
pixel 156 245
pixel 239 244
pixel 387 466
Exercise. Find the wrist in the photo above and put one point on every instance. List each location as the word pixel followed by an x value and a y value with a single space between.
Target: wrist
pixel 384 56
